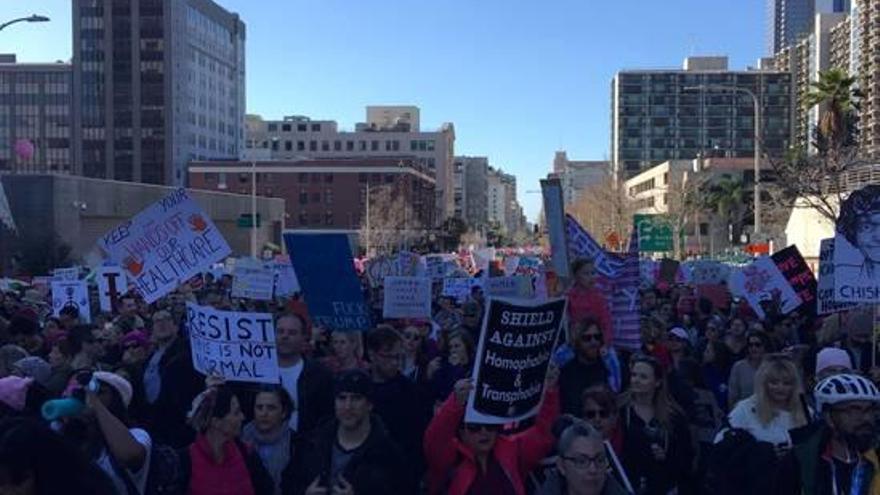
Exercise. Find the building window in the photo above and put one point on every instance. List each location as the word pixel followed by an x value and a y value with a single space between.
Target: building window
pixel 313 146
pixel 302 127
pixel 273 127
pixel 362 145
pixel 302 178
pixel 300 146
pixel 325 145
pixel 285 127
pixel 349 146
pixel 303 197
pixel 274 145
pixel 288 145
pixel 363 178
pixel 316 127
pixel 374 145
pixel 328 178
pixel 337 145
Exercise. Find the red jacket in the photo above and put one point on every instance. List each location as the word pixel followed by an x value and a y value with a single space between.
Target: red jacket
pixel 452 467
pixel 590 303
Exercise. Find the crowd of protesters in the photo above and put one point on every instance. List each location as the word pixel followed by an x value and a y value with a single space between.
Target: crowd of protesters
pixel 715 401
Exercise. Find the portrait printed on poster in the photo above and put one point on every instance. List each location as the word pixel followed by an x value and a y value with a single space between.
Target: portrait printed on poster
pixel 857 247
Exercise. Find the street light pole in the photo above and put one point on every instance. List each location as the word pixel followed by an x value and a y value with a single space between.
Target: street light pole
pixel 33 18
pixel 757 146
pixel 254 209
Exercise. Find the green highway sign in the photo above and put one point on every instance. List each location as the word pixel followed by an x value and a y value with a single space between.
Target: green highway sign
pixel 655 233
pixel 245 221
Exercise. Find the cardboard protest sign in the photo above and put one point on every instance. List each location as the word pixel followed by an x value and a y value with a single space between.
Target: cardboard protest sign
pixel 793 267
pixel 253 279
pixel 74 294
pixel 857 247
pixel 111 284
pixel 762 282
pixel 286 283
pixel 332 291
pixel 825 285
pixel 237 346
pixel 509 287
pixel 582 245
pixel 407 297
pixel 65 274
pixel 459 287
pixel 516 344
pixel 165 245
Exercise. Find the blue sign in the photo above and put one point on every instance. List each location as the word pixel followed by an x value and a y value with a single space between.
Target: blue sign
pixel 332 291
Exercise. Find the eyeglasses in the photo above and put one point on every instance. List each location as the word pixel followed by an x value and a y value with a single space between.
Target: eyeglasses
pixel 597 413
pixel 475 427
pixel 591 337
pixel 599 461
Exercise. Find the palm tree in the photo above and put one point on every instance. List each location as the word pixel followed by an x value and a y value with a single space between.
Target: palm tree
pixel 725 199
pixel 836 91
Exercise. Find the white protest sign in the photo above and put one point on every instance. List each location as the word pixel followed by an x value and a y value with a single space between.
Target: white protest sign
pixel 286 283
pixel 482 258
pixel 435 266
pixel 237 346
pixel 65 274
pixel 519 286
pixel 458 287
pixel 111 284
pixel 72 294
pixel 763 282
pixel 511 263
pixel 825 284
pixel 857 247
pixel 407 297
pixel 253 279
pixel 165 245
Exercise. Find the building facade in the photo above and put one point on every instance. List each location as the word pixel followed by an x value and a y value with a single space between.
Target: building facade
pixel 576 176
pixel 661 115
pixel 472 191
pixel 787 21
pixel 35 111
pixel 156 83
pixel 329 193
pixel 301 138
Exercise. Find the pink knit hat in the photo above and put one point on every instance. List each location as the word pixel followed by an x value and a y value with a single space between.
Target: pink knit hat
pixel 13 391
pixel 832 356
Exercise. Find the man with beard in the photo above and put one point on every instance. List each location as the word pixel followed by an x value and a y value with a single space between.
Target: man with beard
pixel 840 457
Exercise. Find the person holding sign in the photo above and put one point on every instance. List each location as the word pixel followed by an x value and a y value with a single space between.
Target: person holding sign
pixel 474 459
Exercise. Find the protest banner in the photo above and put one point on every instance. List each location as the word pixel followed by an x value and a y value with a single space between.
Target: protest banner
pixel 557 226
pixel 253 279
pixel 857 247
pixel 825 285
pixel 793 267
pixel 286 283
pixel 164 245
pixel 237 346
pixel 516 344
pixel 111 285
pixel 73 294
pixel 407 297
pixel 65 274
pixel 762 283
pixel 331 289
pixel 624 301
pixel 516 287
pixel 458 287
pixel 582 245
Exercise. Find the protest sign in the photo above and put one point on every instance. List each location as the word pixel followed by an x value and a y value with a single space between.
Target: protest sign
pixel 708 272
pixel 435 266
pixel 793 267
pixel 516 344
pixel 528 265
pixel 325 270
pixel 857 247
pixel 511 263
pixel 825 285
pixel 582 245
pixel 557 226
pixel 237 346
pixel 111 284
pixel 407 297
pixel 65 274
pixel 73 294
pixel 482 259
pixel 286 283
pixel 253 279
pixel 509 287
pixel 165 245
pixel 762 283
pixel 458 287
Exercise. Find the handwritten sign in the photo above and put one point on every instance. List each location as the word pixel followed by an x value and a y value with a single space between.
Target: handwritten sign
pixel 458 287
pixel 253 279
pixel 65 274
pixel 825 285
pixel 407 297
pixel 236 346
pixel 793 267
pixel 762 283
pixel 516 344
pixel 165 245
pixel 73 294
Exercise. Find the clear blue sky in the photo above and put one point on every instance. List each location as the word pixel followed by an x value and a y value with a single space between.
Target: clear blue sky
pixel 519 79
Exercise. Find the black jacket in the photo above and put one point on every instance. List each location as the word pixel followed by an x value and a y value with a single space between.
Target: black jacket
pixel 574 378
pixel 377 467
pixel 315 390
pixel 166 418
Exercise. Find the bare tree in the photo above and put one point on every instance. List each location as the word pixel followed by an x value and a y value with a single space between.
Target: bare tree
pixel 389 223
pixel 604 209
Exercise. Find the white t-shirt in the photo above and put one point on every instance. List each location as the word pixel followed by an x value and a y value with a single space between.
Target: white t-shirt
pixel 139 477
pixel 776 431
pixel 289 380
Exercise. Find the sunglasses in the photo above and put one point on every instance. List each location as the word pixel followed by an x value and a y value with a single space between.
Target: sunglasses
pixel 591 337
pixel 476 427
pixel 600 413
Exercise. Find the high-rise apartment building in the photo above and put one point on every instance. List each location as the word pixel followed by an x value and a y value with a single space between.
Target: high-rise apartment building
pixel 787 21
pixel 578 175
pixel 660 115
pixel 34 112
pixel 156 83
pixel 298 137
pixel 472 190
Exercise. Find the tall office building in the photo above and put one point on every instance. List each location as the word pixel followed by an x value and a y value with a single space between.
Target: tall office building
pixel 34 112
pixel 660 115
pixel 156 83
pixel 787 21
pixel 388 132
pixel 472 190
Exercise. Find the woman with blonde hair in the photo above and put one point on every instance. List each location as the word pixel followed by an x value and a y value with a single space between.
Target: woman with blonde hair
pixel 348 352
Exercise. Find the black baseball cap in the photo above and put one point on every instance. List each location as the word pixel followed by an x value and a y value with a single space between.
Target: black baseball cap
pixel 354 382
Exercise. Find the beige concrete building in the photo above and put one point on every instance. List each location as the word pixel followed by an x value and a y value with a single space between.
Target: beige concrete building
pixel 301 138
pixel 578 175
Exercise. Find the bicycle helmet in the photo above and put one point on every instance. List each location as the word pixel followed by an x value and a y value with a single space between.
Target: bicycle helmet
pixel 843 388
